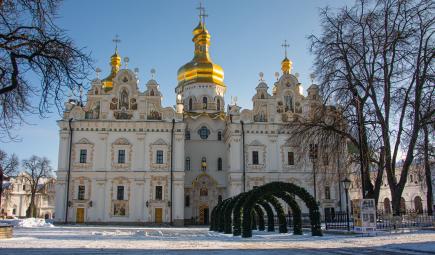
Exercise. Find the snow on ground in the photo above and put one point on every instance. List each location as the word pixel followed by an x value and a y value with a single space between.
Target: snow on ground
pixel 145 240
pixel 27 223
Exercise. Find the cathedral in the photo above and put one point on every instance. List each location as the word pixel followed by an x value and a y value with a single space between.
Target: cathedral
pixel 125 158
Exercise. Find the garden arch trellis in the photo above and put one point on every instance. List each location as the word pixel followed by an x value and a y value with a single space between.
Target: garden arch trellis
pixel 261 200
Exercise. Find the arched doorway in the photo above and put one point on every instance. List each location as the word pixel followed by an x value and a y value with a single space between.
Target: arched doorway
pixel 204 195
pixel 387 206
pixel 418 205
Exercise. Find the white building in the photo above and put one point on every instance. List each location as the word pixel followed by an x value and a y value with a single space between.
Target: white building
pixel 16 194
pixel 131 160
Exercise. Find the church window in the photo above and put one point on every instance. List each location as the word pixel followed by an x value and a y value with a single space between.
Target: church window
pixel 255 158
pixel 219 164
pixel 219 136
pixel 152 93
pixel 327 192
pixel 411 179
pixel 24 187
pixel 204 103
pixel 218 104
pixel 290 158
pixel 121 156
pixel 204 132
pixel 203 192
pixel 14 211
pixel 187 201
pixel 262 96
pixel 83 154
pixel 203 164
pixel 124 100
pixel 288 103
pixel 220 199
pixel 159 193
pixel 120 193
pixel 159 157
pixel 187 135
pixel 190 104
pixel 187 164
pixel 81 193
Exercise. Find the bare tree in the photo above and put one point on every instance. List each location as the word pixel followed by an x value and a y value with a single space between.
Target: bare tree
pixel 8 166
pixel 32 45
pixel 375 59
pixel 36 169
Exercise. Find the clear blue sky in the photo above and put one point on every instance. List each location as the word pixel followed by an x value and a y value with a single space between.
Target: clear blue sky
pixel 245 39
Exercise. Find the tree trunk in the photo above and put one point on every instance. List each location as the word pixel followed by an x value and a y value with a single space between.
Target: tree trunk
pixel 396 196
pixel 31 210
pixel 427 172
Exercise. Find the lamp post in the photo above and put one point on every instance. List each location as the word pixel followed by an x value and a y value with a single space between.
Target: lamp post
pixel 346 184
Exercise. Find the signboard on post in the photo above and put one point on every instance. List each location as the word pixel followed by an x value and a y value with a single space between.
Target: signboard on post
pixel 364 215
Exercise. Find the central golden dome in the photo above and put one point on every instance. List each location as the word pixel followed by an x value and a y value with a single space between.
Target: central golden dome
pixel 201 68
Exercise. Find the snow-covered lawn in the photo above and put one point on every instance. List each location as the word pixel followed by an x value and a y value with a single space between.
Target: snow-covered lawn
pixel 146 240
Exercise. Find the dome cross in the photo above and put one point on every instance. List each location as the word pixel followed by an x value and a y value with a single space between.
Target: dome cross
pixel 285 45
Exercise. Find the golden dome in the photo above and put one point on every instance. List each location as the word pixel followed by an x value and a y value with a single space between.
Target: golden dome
pixel 115 63
pixel 201 68
pixel 286 65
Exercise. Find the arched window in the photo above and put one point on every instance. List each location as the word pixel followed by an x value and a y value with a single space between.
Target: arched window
pixel 152 93
pixel 187 164
pixel 418 205
pixel 327 192
pixel 387 206
pixel 219 136
pixel 262 96
pixel 204 103
pixel 124 99
pixel 288 103
pixel 203 164
pixel 187 135
pixel 219 164
pixel 218 104
pixel 190 104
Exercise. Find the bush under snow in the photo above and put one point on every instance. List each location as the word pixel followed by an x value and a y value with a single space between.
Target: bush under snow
pixel 28 223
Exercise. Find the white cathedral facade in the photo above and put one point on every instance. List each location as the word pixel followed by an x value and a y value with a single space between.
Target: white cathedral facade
pixel 124 158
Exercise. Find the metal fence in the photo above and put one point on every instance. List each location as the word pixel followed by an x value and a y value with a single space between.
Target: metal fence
pixel 384 220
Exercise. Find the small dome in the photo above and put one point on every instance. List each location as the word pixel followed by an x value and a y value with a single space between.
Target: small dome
pixel 152 82
pixel 286 65
pixel 262 85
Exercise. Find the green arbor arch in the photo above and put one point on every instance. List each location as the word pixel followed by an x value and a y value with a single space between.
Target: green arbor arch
pixel 276 189
pixel 233 210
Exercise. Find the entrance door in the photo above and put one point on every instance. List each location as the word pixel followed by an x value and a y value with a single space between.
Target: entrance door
pixel 80 215
pixel 203 215
pixel 158 214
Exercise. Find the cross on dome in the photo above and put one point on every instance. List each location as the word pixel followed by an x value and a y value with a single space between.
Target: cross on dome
pixel 116 40
pixel 285 45
pixel 202 13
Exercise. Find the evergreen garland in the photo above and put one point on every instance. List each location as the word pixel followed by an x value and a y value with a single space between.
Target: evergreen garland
pixel 296 211
pixel 237 213
pixel 270 215
pixel 260 215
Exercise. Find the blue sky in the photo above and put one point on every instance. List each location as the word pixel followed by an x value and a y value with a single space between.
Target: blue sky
pixel 246 38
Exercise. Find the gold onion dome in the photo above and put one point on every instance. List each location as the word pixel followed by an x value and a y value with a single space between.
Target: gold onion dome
pixel 201 68
pixel 286 65
pixel 115 63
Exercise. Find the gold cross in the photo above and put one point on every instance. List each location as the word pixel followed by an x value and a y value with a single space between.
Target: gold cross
pixel 285 46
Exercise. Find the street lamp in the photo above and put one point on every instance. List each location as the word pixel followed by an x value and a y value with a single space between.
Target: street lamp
pixel 346 184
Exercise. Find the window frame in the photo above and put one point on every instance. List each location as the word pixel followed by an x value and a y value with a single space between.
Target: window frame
pixel 83 156
pixel 81 192
pixel 121 156
pixel 158 194
pixel 118 194
pixel 159 157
